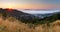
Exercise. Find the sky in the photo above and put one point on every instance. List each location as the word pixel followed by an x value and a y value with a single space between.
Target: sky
pixel 30 4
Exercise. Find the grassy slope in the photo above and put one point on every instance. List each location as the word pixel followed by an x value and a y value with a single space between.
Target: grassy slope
pixel 13 25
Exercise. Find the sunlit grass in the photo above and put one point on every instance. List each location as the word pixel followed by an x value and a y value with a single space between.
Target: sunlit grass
pixel 13 25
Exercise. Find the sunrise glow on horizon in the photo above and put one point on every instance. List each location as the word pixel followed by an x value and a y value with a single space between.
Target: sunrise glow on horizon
pixel 29 4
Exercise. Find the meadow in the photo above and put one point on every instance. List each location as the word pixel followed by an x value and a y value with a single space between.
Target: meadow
pixel 10 24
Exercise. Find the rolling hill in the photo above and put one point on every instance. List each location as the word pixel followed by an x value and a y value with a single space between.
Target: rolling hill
pixel 30 18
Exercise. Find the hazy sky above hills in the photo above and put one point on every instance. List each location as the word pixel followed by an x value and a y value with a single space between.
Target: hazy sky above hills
pixel 30 4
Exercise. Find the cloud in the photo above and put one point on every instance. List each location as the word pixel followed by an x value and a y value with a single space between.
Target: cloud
pixel 41 11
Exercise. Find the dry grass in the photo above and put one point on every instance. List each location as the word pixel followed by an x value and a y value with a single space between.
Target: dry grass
pixel 54 27
pixel 13 25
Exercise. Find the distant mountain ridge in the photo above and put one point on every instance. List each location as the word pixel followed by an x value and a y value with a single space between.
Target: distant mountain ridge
pixel 17 14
